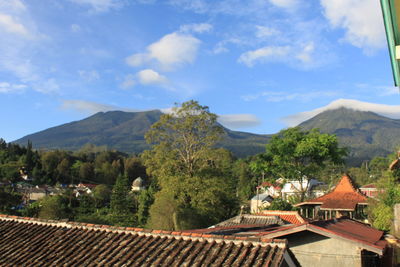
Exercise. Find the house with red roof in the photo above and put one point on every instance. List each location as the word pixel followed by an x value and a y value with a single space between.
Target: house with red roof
pixel 336 242
pixel 344 200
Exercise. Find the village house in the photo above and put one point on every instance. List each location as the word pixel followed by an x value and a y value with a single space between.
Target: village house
pixel 370 190
pixel 260 202
pixel 294 188
pixel 336 242
pixel 344 200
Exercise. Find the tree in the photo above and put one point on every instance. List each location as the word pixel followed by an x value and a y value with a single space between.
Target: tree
pixel 101 195
pixel 187 134
pixel 297 155
pixel 9 200
pixel 380 210
pixel 194 178
pixel 54 208
pixel 120 205
pixel 280 204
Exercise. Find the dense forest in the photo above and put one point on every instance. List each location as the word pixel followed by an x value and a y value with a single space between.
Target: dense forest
pixel 189 183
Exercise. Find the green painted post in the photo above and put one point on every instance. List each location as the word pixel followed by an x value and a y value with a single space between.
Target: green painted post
pixel 392 35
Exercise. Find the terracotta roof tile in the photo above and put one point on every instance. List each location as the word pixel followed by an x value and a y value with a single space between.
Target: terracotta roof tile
pixel 345 196
pixel 31 242
pixel 292 217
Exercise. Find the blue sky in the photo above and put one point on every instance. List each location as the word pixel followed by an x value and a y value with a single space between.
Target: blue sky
pixel 261 65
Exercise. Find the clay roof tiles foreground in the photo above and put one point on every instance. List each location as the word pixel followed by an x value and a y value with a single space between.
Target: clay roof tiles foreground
pixel 344 197
pixel 32 242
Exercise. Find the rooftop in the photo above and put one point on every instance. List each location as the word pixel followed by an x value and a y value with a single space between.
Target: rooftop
pixel 343 228
pixel 345 196
pixel 29 241
pixel 292 217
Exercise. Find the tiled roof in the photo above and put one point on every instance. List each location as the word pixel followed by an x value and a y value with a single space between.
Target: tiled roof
pixel 344 197
pixel 344 228
pixel 33 242
pixel 292 217
pixel 248 219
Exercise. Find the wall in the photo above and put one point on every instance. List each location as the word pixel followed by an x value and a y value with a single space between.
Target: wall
pixel 311 249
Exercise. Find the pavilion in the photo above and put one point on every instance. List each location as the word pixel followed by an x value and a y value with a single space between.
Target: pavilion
pixel 344 200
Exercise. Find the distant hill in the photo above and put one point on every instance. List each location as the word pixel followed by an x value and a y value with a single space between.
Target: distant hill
pixel 124 131
pixel 366 134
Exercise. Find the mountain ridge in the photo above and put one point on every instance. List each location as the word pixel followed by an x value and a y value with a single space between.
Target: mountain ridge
pixel 366 134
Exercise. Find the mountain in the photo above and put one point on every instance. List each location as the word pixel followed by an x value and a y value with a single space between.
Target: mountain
pixel 124 131
pixel 366 134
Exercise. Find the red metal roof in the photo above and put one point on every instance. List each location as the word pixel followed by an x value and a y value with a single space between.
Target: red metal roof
pixel 351 229
pixel 344 197
pixel 343 227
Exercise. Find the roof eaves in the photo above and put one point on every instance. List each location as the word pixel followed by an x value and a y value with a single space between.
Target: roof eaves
pixel 323 231
pixel 150 232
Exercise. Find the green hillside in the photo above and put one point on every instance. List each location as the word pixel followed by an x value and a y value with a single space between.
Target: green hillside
pixel 366 134
pixel 124 131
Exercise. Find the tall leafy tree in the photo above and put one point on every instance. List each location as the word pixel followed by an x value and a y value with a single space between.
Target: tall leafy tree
pixel 294 154
pixel 193 176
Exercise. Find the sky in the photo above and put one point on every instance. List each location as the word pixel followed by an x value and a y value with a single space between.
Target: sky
pixel 261 65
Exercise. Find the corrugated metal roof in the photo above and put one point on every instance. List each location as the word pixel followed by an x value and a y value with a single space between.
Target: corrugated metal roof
pixel 248 219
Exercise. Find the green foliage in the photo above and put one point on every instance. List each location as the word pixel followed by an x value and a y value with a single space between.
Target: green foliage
pixel 296 155
pixel 101 195
pixel 246 180
pixel 121 205
pixel 9 200
pixel 146 199
pixel 380 211
pixel 195 179
pixel 54 208
pixel 280 204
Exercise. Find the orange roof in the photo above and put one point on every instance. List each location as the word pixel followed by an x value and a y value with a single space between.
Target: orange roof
pixel 292 217
pixel 344 197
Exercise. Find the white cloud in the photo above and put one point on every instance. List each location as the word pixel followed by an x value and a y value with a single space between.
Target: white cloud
pixel 48 86
pixel 146 77
pixel 305 55
pixel 196 27
pixel 88 107
pixel 237 121
pixel 89 75
pixel 271 96
pixel 151 77
pixel 388 90
pixel 288 4
pixel 11 25
pixel 75 28
pixel 12 5
pixel 265 54
pixel 129 81
pixel 99 6
pixel 264 32
pixel 361 19
pixel 390 111
pixel 6 87
pixel 171 51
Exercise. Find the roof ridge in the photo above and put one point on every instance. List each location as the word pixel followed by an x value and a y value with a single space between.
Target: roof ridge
pixel 282 243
